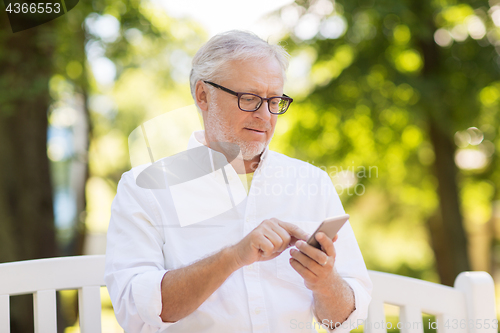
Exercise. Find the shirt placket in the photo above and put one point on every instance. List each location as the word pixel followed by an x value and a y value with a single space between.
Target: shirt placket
pixel 251 273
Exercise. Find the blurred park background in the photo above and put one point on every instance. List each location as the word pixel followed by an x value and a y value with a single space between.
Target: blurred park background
pixel 397 100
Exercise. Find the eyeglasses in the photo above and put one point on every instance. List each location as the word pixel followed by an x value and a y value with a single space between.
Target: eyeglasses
pixel 250 102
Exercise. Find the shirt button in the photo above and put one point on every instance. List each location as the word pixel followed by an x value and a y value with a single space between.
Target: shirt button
pixel 247 219
pixel 257 310
pixel 250 267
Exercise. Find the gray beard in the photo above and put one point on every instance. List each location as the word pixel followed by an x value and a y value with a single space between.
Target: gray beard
pixel 222 133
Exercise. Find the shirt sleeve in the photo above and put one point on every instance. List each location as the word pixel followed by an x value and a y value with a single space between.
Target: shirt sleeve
pixel 134 259
pixel 350 265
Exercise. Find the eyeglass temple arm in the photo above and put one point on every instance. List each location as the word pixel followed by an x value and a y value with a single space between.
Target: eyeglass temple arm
pixel 237 94
pixel 222 88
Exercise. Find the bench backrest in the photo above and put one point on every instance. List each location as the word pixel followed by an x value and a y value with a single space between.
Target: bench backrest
pixel 467 307
pixel 470 304
pixel 42 278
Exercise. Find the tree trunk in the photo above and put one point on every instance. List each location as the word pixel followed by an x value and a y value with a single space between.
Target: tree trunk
pixel 446 227
pixel 26 210
pixel 447 230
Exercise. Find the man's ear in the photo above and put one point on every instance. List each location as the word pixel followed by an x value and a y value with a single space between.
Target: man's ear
pixel 201 96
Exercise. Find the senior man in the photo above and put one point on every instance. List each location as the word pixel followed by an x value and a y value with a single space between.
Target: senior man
pixel 228 271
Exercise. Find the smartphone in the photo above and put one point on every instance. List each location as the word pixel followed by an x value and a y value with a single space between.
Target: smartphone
pixel 330 227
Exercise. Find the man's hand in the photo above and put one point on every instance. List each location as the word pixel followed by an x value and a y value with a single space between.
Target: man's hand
pixel 267 241
pixel 333 297
pixel 315 266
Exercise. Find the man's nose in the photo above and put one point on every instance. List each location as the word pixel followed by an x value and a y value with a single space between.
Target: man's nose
pixel 263 111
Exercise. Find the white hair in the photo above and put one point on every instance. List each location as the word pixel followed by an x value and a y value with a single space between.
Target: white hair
pixel 210 61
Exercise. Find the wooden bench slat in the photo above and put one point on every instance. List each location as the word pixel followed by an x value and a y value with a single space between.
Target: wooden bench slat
pixel 376 318
pixel 4 313
pixel 89 303
pixel 44 302
pixel 410 318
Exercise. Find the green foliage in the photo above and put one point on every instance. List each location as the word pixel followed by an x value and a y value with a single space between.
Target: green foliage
pixel 372 94
pixel 151 54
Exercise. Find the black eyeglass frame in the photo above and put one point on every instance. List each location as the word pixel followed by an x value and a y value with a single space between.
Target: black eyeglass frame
pixel 262 99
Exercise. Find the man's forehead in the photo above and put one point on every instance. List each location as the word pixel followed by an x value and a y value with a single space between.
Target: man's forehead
pixel 254 75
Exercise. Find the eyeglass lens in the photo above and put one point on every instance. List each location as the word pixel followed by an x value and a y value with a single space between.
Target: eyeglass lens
pixel 251 103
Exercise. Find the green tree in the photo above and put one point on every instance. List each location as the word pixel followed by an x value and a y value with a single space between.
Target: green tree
pixel 395 84
pixel 26 215
pixel 45 71
pixel 28 61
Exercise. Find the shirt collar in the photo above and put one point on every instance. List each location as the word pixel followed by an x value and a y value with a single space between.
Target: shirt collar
pixel 197 139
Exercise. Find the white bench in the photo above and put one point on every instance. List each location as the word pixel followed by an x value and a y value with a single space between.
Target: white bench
pixel 466 308
pixel 471 300
pixel 42 278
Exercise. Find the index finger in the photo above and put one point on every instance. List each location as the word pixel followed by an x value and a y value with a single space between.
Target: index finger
pixel 293 230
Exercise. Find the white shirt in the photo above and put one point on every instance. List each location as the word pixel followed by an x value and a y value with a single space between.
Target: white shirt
pixel 155 230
